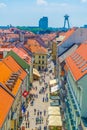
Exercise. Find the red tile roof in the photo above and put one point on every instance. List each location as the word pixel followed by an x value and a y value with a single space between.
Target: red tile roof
pixel 77 62
pixel 6 101
pixel 67 35
pixel 35 47
pixel 48 37
pixel 22 54
pixel 5 76
pixel 14 66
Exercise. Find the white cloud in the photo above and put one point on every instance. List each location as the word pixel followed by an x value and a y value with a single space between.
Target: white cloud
pixel 59 4
pixel 83 1
pixel 42 2
pixel 2 5
pixel 63 4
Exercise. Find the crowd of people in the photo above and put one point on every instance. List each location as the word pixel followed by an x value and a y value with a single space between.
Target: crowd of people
pixel 40 116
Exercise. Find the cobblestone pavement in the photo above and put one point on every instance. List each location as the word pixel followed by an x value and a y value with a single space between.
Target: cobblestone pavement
pixel 41 107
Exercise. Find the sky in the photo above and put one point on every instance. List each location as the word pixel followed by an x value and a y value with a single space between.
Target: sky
pixel 28 12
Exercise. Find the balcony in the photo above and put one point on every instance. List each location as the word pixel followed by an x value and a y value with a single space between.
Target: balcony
pixel 70 116
pixel 74 128
pixel 75 107
pixel 84 123
pixel 73 98
pixel 73 123
pixel 77 114
pixel 69 109
pixel 67 103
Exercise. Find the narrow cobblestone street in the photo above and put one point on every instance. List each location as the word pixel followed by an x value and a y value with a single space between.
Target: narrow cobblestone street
pixel 37 112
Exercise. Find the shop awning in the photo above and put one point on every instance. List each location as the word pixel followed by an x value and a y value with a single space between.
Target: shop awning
pixel 36 72
pixel 53 108
pixel 54 111
pixel 52 82
pixel 55 88
pixel 54 121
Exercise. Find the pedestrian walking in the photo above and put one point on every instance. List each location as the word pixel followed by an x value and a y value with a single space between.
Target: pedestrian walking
pixel 27 115
pixel 44 128
pixel 28 124
pixel 43 99
pixel 40 113
pixel 44 112
pixel 47 99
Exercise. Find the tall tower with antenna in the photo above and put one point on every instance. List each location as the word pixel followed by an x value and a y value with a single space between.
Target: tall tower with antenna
pixel 66 21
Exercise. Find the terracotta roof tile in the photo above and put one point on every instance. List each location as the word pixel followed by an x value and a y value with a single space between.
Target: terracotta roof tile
pixel 14 66
pixel 34 47
pixel 48 37
pixel 6 101
pixel 77 62
pixel 22 54
pixel 67 35
pixel 32 42
pixel 4 77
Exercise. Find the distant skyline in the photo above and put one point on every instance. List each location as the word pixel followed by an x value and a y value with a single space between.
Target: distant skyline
pixel 28 12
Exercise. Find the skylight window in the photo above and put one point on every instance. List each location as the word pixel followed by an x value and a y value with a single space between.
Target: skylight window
pixel 79 61
pixel 84 69
pixel 76 56
pixel 83 63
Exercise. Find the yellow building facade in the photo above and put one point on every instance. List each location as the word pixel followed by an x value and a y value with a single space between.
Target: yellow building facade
pixel 54 50
pixel 40 61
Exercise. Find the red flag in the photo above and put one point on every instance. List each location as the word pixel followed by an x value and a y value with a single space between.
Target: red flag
pixel 25 93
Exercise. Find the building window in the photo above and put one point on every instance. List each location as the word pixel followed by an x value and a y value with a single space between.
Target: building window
pixel 39 61
pixel 42 67
pixel 39 56
pixel 39 68
pixel 43 57
pixel 42 62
